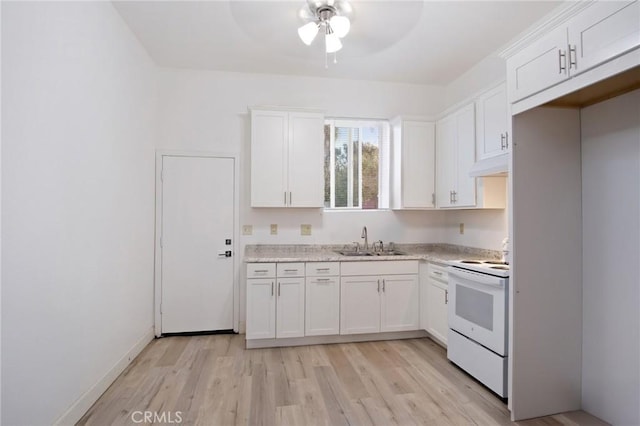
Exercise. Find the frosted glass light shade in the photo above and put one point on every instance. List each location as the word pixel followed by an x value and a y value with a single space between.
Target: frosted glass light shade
pixel 308 32
pixel 333 43
pixel 340 25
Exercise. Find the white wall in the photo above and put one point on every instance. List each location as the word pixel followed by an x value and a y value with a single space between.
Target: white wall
pixel 485 74
pixel 482 228
pixel 77 187
pixel 208 111
pixel 611 237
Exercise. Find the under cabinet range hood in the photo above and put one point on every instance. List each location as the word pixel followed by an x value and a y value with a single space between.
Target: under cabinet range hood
pixel 494 166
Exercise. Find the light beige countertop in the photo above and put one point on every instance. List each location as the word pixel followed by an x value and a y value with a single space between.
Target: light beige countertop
pixel 438 253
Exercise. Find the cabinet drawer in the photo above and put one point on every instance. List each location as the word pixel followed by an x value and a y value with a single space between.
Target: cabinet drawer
pixel 261 270
pixel 319 269
pixel 438 273
pixel 290 269
pixel 389 267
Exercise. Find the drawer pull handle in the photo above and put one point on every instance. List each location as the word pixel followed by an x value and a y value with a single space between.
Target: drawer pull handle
pixel 321 269
pixel 323 280
pixel 291 270
pixel 437 273
pixel 261 271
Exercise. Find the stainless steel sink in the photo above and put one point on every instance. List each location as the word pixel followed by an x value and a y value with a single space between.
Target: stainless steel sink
pixel 355 253
pixel 370 253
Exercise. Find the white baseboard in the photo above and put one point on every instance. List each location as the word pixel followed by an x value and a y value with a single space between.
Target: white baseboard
pixel 82 404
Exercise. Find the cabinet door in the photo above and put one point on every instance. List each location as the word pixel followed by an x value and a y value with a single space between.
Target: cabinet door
pixel 437 311
pixel 445 160
pixel 290 307
pixel 322 306
pixel 359 305
pixel 269 134
pixel 418 164
pixel 491 120
pixel 400 303
pixel 261 309
pixel 306 160
pixel 538 66
pixel 465 189
pixel 602 32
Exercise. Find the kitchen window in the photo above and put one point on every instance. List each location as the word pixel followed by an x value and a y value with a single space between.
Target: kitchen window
pixel 356 171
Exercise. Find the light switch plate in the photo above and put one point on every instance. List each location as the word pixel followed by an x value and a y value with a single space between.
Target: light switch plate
pixel 305 229
pixel 247 230
pixel 461 228
pixel 274 229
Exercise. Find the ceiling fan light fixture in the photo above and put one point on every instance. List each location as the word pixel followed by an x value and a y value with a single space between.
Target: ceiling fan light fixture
pixel 333 15
pixel 333 43
pixel 340 25
pixel 308 32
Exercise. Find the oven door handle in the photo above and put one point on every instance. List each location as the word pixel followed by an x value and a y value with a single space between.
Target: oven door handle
pixel 476 278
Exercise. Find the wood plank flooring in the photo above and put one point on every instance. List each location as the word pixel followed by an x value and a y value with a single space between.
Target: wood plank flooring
pixel 214 380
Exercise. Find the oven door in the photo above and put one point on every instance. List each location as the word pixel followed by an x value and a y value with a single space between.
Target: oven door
pixel 478 308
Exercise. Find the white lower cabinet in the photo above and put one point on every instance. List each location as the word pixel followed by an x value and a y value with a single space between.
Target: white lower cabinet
pixel 437 303
pixel 290 307
pixel 322 307
pixel 275 305
pixel 379 297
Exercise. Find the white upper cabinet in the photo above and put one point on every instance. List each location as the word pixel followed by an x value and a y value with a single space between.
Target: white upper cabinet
pixel 541 65
pixel 595 35
pixel 455 155
pixel 601 32
pixel 413 164
pixel 287 159
pixel 492 115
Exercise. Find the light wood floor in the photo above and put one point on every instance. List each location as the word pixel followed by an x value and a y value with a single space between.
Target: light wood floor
pixel 214 380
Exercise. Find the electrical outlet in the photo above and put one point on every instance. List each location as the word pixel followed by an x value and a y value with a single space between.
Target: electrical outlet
pixel 461 228
pixel 305 229
pixel 247 230
pixel 274 229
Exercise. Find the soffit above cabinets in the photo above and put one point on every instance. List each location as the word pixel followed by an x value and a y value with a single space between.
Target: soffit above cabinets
pixel 422 42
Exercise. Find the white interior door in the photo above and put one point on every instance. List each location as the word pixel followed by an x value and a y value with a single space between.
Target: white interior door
pixel 197 220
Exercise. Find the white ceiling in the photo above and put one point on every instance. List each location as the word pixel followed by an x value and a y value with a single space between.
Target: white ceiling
pixel 425 42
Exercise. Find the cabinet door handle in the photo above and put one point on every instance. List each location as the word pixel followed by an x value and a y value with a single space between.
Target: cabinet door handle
pixel 290 199
pixel 446 297
pixel 433 199
pixel 278 289
pixel 562 61
pixel 506 140
pixel 271 288
pixel 573 60
pixel 378 286
pixel 285 198
pixel 383 286
pixel 502 142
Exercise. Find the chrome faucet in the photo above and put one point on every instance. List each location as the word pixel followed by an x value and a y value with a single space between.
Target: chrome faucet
pixel 366 239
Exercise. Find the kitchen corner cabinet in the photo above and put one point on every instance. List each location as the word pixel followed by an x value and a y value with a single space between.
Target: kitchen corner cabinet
pixel 379 297
pixel 413 168
pixel 600 32
pixel 287 158
pixel 437 302
pixel 455 155
pixel 492 116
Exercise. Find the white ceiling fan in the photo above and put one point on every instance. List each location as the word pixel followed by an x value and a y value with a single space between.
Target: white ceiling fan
pixel 332 16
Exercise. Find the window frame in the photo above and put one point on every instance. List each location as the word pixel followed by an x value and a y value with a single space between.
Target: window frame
pixel 383 142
